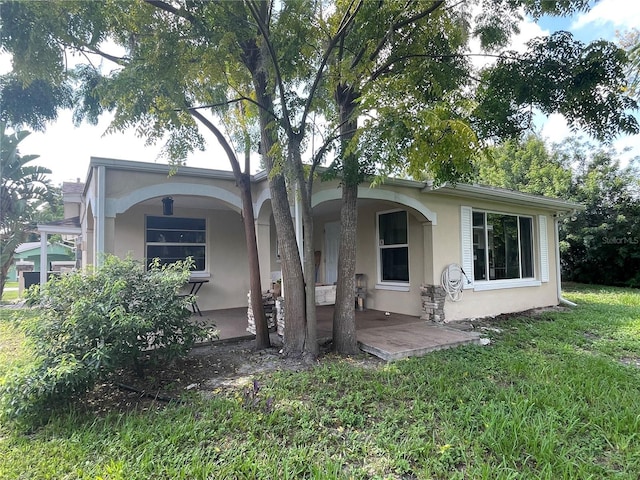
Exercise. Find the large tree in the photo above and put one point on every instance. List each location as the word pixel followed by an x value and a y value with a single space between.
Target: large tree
pixel 23 189
pixel 391 81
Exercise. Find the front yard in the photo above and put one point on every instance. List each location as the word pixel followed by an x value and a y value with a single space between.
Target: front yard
pixel 553 396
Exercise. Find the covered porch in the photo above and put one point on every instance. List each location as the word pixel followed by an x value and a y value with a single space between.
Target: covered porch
pixel 390 337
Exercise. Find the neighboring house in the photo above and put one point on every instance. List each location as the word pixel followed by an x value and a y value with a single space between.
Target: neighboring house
pixel 30 253
pixel 408 233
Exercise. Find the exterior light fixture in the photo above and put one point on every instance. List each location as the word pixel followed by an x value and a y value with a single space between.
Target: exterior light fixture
pixel 167 206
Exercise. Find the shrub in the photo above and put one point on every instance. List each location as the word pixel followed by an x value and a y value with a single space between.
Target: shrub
pixel 93 323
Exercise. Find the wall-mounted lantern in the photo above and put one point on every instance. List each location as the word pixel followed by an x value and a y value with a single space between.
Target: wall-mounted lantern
pixel 167 206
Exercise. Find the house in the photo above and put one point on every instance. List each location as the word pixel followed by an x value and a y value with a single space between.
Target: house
pixel 29 253
pixel 409 233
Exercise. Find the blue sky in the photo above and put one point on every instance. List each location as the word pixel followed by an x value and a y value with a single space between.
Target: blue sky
pixel 66 150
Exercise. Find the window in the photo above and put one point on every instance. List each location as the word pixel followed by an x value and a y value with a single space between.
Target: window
pixel 172 238
pixel 502 246
pixel 393 247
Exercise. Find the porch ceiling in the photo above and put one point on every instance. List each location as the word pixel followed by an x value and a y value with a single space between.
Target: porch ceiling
pixel 332 207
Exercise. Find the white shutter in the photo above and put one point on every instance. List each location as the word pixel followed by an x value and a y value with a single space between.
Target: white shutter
pixel 466 240
pixel 543 242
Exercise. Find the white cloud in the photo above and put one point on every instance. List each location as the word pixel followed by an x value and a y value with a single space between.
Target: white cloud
pixel 528 30
pixel 624 14
pixel 555 128
pixel 628 148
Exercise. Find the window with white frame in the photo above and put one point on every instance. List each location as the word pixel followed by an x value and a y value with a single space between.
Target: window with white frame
pixel 393 247
pixel 502 246
pixel 174 238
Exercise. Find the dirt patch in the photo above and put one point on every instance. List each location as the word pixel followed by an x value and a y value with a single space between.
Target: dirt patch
pixel 207 369
pixel 631 361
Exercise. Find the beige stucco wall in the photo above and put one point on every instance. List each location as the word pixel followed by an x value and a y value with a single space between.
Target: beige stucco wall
pixel 405 302
pixel 434 246
pixel 447 249
pixel 226 258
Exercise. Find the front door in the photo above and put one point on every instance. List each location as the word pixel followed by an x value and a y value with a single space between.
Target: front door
pixel 331 248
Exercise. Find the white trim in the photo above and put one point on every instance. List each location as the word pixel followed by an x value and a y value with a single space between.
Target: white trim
pixel 518 216
pixel 483 285
pixel 122 204
pixel 202 274
pixel 396 287
pixel 43 259
pixel 99 224
pixel 543 242
pixel 395 245
pixel 379 193
pixel 502 195
pixel 466 243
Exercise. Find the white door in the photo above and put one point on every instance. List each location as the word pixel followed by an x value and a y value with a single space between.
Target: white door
pixel 331 247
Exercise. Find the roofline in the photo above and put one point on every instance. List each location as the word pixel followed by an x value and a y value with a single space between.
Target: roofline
pixel 460 190
pixel 130 165
pixel 501 195
pixel 148 167
pixel 63 230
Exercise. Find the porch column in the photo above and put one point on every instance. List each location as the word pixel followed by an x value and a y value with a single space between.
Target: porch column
pixel 429 277
pixel 263 237
pixel 43 258
pixel 109 235
pixel 99 216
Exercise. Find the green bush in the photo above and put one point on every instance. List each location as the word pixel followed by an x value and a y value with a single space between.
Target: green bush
pixel 93 323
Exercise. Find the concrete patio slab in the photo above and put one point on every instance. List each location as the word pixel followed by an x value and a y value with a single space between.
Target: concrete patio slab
pixel 390 337
pixel 394 342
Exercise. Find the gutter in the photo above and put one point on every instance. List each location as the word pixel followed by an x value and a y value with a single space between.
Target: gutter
pixel 561 299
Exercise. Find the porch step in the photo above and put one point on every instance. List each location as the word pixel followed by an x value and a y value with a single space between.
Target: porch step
pixel 395 342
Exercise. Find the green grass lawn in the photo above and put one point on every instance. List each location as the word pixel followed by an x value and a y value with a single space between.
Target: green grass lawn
pixel 557 396
pixel 10 292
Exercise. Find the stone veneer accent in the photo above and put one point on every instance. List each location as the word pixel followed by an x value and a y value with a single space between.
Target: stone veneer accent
pixel 433 298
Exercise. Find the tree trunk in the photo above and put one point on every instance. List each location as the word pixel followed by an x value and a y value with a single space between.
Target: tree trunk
pixel 244 184
pixel 304 190
pixel 262 329
pixel 292 275
pixel 344 317
pixel 4 273
pixel 344 320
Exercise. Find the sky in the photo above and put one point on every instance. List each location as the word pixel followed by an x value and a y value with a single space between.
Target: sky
pixel 66 150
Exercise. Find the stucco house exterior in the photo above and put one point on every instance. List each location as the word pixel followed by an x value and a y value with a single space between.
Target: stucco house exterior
pixel 408 233
pixel 29 253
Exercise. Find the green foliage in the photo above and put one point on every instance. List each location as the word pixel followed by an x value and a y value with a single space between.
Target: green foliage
pixel 602 243
pixel 90 324
pixel 557 75
pixel 527 165
pixel 33 104
pixel 631 43
pixel 24 189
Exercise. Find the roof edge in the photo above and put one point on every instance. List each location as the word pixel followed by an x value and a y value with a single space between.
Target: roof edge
pixel 504 195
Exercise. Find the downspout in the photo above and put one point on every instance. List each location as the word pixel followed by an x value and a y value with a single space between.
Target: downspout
pixel 561 299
